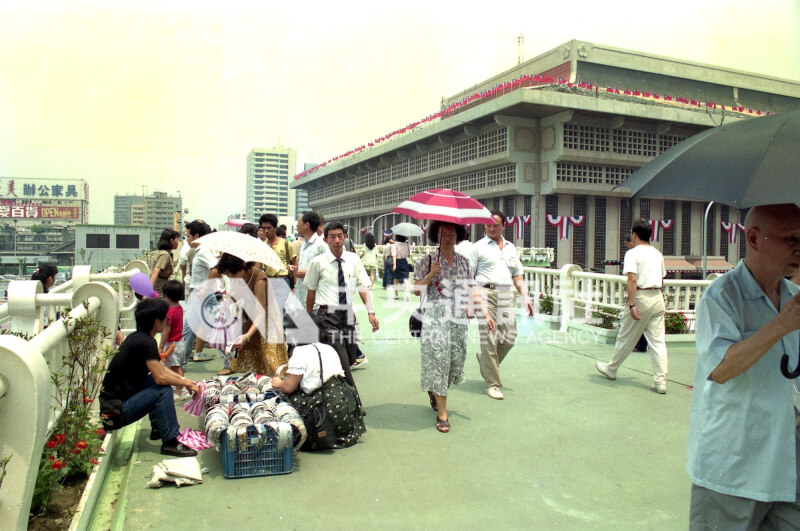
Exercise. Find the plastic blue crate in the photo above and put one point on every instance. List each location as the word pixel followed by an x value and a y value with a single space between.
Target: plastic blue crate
pixel 254 461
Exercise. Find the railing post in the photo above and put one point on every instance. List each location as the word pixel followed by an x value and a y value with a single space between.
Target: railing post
pixel 566 293
pixel 24 413
pixel 26 317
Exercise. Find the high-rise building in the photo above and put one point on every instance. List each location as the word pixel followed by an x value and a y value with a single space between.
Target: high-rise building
pixel 268 174
pixel 156 210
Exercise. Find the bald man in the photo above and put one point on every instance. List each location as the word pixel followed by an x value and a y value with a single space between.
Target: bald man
pixel 743 439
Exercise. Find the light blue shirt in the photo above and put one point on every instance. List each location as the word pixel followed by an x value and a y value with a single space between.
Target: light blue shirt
pixel 309 250
pixel 493 265
pixel 742 432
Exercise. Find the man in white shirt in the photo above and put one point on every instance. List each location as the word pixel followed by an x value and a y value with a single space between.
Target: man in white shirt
pixel 199 263
pixel 312 246
pixel 498 273
pixel 644 267
pixel 332 280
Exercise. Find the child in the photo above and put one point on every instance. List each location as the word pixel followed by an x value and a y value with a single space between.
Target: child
pixel 171 345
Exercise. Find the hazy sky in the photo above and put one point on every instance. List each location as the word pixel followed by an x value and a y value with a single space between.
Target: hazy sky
pixel 174 95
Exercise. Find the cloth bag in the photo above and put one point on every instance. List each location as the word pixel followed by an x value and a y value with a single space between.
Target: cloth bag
pixel 319 424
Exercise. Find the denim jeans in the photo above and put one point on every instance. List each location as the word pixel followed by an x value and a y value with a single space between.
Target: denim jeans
pixel 188 343
pixel 155 401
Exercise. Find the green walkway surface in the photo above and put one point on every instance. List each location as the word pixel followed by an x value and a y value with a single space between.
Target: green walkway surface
pixel 566 449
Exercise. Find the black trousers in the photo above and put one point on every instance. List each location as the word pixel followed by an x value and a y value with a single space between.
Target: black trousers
pixel 336 332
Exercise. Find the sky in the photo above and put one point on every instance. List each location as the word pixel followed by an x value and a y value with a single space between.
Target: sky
pixel 171 96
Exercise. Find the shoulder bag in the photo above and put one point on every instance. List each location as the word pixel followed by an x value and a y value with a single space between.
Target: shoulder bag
pixel 319 424
pixel 415 321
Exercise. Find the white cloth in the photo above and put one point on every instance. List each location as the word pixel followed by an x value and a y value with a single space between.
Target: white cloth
pixel 305 362
pixel 181 471
pixel 183 258
pixel 309 249
pixel 493 265
pixel 648 264
pixel 323 276
pixel 202 263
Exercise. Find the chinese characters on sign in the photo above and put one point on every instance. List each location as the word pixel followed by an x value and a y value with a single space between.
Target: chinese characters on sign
pixel 13 210
pixel 34 189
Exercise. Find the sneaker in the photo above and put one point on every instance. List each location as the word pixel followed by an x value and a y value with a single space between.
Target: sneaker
pixel 495 392
pixel 177 449
pixel 660 388
pixel 360 362
pixel 603 369
pixel 201 356
pixel 155 434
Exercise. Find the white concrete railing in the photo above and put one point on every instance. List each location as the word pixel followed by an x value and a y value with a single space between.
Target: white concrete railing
pixel 577 294
pixel 27 398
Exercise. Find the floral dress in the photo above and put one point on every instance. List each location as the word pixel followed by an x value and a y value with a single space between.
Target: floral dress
pixel 443 341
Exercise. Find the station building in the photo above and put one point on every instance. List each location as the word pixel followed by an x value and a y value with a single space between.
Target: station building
pixel 552 138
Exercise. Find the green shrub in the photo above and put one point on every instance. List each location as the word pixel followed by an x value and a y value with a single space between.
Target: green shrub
pixel 546 304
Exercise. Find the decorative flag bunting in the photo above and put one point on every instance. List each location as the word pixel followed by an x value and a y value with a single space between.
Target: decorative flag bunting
pixel 563 223
pixel 656 225
pixel 733 230
pixel 511 220
pixel 528 80
pixel 364 230
pixel 423 227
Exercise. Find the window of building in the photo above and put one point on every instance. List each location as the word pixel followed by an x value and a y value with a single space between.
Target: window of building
pixel 668 236
pixel 644 209
pixel 551 232
pixel 625 222
pixel 98 241
pixel 127 241
pixel 686 228
pixel 599 231
pixel 724 215
pixel 527 237
pixel 579 232
pixel 741 235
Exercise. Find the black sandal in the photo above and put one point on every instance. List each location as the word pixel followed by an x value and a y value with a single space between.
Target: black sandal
pixel 442 425
pixel 433 401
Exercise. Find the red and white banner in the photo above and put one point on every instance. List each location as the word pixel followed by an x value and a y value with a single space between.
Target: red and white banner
pixel 563 223
pixel 656 225
pixel 733 230
pixel 423 227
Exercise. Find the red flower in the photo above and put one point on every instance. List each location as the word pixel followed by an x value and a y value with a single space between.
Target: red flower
pixel 52 444
pixel 59 437
pixel 87 400
pixel 52 458
pixel 85 391
pixel 93 461
pixel 76 450
pixel 81 444
pixel 101 432
pixel 58 465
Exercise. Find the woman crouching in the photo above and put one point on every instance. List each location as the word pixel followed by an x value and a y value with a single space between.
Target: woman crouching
pixel 304 389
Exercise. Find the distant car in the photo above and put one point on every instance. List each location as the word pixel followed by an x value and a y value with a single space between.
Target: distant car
pixel 9 277
pixel 61 278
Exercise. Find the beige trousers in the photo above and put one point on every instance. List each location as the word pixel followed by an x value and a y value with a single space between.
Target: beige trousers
pixel 650 304
pixel 496 345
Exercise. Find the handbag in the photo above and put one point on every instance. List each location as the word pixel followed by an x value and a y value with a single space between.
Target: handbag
pixel 415 321
pixel 319 424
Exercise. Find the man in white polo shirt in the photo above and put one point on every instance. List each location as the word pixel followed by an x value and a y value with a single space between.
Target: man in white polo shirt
pixel 644 267
pixel 498 273
pixel 332 279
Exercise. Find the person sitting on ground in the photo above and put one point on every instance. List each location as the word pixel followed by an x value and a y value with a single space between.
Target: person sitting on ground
pixel 46 274
pixel 137 378
pixel 303 389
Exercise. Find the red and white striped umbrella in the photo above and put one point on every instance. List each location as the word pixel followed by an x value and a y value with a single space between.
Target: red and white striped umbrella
pixel 445 205
pixel 236 222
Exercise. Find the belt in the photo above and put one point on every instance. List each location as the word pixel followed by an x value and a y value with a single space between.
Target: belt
pixel 496 286
pixel 330 309
pixel 657 287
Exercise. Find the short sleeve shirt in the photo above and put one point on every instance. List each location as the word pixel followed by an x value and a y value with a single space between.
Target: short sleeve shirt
pixel 492 265
pixel 284 250
pixel 648 264
pixel 305 362
pixel 175 321
pixel 128 368
pixel 323 277
pixel 742 433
